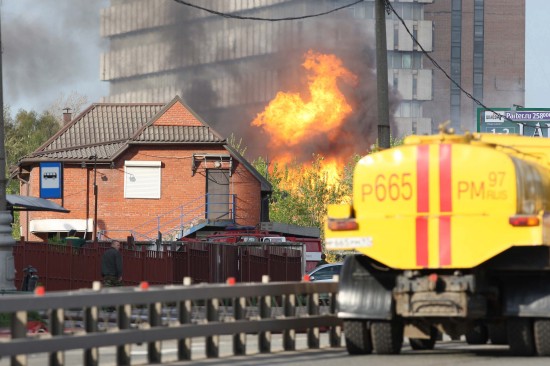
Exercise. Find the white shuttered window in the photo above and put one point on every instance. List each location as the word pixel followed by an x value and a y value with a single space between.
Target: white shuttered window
pixel 142 179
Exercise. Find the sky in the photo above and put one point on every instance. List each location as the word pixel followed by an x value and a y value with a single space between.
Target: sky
pixel 51 48
pixel 537 54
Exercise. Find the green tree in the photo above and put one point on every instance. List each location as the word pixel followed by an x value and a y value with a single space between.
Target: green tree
pixel 301 192
pixel 237 145
pixel 280 197
pixel 346 178
pixel 23 135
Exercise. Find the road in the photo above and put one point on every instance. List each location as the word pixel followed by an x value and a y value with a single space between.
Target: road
pixel 446 353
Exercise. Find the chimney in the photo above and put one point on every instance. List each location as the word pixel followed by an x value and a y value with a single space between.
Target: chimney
pixel 67 115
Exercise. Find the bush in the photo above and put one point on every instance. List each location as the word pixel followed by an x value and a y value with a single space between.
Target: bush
pixel 5 318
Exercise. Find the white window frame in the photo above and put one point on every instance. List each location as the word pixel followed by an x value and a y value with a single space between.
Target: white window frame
pixel 142 179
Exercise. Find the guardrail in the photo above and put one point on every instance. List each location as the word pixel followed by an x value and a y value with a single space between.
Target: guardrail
pixel 150 315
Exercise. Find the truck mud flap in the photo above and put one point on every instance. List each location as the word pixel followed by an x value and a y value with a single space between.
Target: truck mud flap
pixel 365 290
pixel 527 297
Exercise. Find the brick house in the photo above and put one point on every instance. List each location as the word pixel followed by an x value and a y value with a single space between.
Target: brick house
pixel 157 168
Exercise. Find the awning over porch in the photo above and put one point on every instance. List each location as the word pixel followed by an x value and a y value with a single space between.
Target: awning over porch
pixel 26 203
pixel 61 225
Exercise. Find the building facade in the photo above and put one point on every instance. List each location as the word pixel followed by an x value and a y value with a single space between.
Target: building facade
pixel 229 69
pixel 481 45
pixel 140 170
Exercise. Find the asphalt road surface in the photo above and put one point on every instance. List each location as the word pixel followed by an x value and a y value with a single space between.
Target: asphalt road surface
pixel 445 353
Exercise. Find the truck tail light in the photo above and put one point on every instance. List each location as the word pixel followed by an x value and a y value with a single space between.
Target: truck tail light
pixel 342 224
pixel 524 220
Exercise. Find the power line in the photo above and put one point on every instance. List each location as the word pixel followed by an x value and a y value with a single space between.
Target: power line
pixel 234 16
pixel 436 64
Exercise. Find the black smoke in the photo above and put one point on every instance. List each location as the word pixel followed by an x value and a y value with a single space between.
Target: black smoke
pixel 338 34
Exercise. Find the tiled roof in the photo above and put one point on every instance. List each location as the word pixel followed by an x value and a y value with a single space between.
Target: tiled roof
pixel 103 152
pixel 105 130
pixel 181 134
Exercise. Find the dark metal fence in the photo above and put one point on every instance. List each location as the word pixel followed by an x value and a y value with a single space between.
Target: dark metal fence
pixel 64 267
pixel 170 313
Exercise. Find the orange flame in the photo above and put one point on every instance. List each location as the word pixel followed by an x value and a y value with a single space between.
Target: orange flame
pixel 291 121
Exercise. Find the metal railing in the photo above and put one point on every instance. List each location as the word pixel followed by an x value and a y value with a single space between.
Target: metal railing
pixel 155 314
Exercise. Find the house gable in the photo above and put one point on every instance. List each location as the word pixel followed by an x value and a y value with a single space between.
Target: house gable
pixel 177 115
pixel 177 123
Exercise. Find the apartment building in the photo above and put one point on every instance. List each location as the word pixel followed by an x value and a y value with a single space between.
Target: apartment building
pixel 481 45
pixel 229 69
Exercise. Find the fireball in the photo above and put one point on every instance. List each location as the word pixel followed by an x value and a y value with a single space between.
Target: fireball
pixel 293 121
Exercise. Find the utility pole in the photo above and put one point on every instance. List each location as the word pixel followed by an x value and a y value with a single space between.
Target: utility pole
pixel 382 75
pixel 7 264
pixel 95 197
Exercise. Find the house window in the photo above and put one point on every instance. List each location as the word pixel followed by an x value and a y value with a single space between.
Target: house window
pixel 142 179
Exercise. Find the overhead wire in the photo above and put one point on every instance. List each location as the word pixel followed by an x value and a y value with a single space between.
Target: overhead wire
pixel 241 17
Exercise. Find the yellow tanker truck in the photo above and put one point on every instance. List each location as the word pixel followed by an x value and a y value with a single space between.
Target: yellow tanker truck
pixel 453 233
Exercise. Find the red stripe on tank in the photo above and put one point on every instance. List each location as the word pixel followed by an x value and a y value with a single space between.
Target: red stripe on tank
pixel 422 204
pixel 445 204
pixel 422 241
pixel 423 179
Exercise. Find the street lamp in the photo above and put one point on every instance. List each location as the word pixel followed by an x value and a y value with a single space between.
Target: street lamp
pixel 94 157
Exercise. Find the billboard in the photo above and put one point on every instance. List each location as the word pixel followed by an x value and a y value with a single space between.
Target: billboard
pixel 527 122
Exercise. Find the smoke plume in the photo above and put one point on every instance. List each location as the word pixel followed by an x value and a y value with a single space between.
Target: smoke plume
pixel 340 34
pixel 49 46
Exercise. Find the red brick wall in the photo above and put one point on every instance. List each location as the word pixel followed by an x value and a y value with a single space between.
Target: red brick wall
pixel 248 196
pixel 178 187
pixel 177 115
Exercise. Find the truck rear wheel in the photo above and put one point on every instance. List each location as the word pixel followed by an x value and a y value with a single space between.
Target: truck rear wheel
pixel 542 336
pixel 387 337
pixel 357 335
pixel 520 336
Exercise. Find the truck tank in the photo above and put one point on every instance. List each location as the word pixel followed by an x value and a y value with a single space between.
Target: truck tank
pixel 453 236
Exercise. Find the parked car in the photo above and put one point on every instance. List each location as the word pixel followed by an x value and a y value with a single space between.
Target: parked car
pixel 325 272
